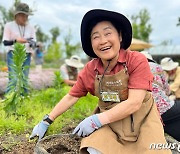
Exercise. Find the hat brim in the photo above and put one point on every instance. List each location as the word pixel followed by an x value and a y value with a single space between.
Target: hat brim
pixel 170 67
pixel 92 17
pixel 26 13
pixel 73 64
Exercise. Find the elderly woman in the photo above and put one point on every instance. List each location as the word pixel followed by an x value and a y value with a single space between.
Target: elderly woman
pixel 126 120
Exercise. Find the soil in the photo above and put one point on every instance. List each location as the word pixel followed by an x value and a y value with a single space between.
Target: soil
pixel 54 144
pixel 59 144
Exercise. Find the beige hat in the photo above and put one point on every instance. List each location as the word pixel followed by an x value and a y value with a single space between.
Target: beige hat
pixel 22 8
pixel 74 61
pixel 147 55
pixel 168 64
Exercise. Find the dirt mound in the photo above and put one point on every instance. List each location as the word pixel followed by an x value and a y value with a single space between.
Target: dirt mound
pixel 58 144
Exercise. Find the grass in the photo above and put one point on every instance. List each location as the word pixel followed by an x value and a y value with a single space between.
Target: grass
pixel 39 103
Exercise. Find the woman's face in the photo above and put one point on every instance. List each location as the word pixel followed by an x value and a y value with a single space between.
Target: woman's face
pixel 21 18
pixel 105 40
pixel 172 72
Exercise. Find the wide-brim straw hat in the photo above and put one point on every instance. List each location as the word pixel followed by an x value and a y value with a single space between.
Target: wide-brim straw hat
pixel 74 61
pixel 168 64
pixel 92 17
pixel 22 8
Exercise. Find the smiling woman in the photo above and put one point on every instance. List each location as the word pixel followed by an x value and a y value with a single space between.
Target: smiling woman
pixel 122 80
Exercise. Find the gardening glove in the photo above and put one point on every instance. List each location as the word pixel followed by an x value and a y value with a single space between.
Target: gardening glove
pixel 87 126
pixel 41 128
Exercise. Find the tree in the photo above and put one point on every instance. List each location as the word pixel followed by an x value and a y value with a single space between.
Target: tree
pixel 70 49
pixel 54 53
pixel 41 36
pixel 55 32
pixel 140 25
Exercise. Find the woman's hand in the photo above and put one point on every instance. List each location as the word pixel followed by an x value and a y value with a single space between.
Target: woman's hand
pixel 21 40
pixel 87 126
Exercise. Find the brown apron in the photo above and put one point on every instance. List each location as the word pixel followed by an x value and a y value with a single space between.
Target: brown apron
pixel 131 135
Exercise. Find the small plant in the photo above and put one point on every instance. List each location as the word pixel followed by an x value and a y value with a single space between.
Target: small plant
pixel 19 82
pixel 58 81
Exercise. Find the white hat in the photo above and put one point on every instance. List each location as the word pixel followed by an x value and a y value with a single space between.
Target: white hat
pixel 168 64
pixel 147 55
pixel 74 61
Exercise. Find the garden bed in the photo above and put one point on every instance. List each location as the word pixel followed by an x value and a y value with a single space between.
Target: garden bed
pixel 58 144
pixel 54 144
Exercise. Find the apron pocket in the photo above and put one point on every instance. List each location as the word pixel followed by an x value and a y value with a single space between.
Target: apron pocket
pixel 123 128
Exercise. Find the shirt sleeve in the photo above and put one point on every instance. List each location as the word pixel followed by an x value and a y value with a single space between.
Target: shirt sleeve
pixel 140 76
pixel 6 33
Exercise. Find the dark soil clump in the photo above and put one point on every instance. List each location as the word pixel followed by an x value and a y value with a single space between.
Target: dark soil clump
pixel 64 143
pixel 59 144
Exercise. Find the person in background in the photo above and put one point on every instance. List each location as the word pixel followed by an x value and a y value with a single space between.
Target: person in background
pixel 39 56
pixel 173 71
pixel 126 120
pixel 19 31
pixel 168 109
pixel 69 71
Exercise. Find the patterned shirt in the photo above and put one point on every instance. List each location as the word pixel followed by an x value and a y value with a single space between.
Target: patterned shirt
pixel 160 89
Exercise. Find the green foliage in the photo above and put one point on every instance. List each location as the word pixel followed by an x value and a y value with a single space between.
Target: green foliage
pixel 40 103
pixel 55 32
pixel 140 25
pixel 2 64
pixel 83 108
pixel 58 80
pixel 54 53
pixel 19 82
pixel 69 48
pixel 41 36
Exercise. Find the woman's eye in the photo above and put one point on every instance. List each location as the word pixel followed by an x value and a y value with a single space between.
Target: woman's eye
pixel 107 34
pixel 95 37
